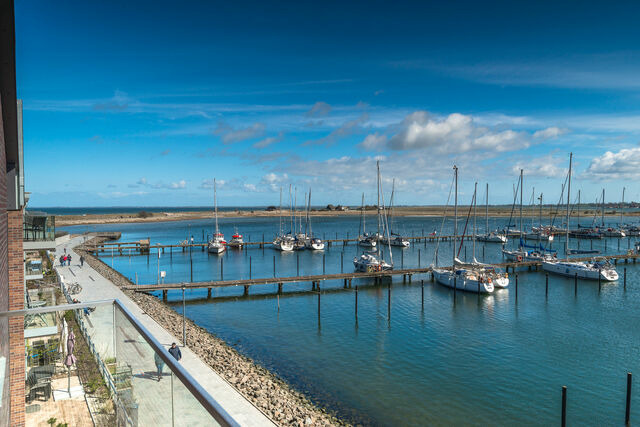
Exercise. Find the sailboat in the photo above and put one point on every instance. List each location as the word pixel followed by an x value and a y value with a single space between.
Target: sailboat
pixel 299 238
pixel 490 236
pixel 368 262
pixel 499 279
pixel 236 240
pixel 364 239
pixel 311 242
pixel 521 254
pixel 463 279
pixel 539 233
pixel 394 239
pixel 217 244
pixel 609 231
pixel 282 242
pixel 592 270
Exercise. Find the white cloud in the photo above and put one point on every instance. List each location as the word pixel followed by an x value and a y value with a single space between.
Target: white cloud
pixel 545 167
pixel 269 141
pixel 319 109
pixel 624 164
pixel 347 128
pixel 230 135
pixel 374 142
pixel 274 181
pixel 455 133
pixel 550 133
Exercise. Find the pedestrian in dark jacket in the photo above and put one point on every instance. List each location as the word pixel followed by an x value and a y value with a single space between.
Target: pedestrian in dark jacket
pixel 159 364
pixel 175 351
pixel 81 260
pixel 69 260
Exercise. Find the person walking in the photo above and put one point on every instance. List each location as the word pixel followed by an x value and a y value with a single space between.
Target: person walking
pixel 175 351
pixel 69 260
pixel 159 364
pixel 81 260
pixel 64 260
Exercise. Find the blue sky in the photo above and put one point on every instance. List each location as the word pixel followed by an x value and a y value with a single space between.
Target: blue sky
pixel 144 103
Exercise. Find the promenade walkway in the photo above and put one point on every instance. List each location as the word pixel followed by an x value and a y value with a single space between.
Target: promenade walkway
pixel 159 402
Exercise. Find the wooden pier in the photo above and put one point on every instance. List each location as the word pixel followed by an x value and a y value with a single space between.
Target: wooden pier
pixel 348 277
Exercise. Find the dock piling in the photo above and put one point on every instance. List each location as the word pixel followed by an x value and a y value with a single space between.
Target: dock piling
pixel 356 303
pixel 546 285
pixel 274 266
pixel 297 263
pixel 389 301
pixel 249 268
pixel 575 284
pixel 516 288
pixel 422 291
pixel 625 278
pixel 564 406
pixel 418 258
pixel 342 263
pixel 627 413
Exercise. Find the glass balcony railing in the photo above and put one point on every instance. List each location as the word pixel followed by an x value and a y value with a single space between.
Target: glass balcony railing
pixel 38 228
pixel 139 382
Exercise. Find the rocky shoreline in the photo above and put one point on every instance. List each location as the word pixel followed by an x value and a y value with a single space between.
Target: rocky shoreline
pixel 269 393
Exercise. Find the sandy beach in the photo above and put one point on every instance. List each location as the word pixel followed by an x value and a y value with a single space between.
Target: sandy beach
pixel 427 211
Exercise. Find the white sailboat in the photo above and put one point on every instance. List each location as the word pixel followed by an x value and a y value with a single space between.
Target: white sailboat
pixel 609 231
pixel 236 240
pixel 368 262
pixel 469 280
pixel 490 236
pixel 394 239
pixel 283 242
pixel 311 242
pixel 217 244
pixel 364 239
pixel 592 270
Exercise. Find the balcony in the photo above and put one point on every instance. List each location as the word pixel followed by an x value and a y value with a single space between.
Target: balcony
pixel 39 231
pixel 129 377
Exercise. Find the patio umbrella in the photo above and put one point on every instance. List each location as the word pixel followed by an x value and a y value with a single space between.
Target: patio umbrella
pixel 70 359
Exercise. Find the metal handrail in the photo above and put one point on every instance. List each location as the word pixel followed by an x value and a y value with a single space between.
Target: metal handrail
pixel 198 392
pixel 205 399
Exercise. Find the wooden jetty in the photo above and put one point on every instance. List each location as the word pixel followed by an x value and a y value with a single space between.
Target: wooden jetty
pixel 348 277
pixel 144 246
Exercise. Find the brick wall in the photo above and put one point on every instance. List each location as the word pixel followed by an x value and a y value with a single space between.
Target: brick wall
pixel 15 257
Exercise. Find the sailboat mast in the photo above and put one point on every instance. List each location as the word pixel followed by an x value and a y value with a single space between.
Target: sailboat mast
pixel 622 209
pixel 362 228
pixel 602 220
pixel 308 215
pixel 521 185
pixel 295 208
pixel 475 204
pixel 566 242
pixel 215 202
pixel 486 211
pixel 378 210
pixel 455 215
pixel 540 215
pixel 578 209
pixel 291 211
pixel 280 211
pixel 393 190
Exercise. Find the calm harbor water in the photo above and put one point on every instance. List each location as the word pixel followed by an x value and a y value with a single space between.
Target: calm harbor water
pixel 481 360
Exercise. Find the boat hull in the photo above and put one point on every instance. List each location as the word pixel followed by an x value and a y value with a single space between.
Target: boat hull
pixel 569 269
pixel 445 278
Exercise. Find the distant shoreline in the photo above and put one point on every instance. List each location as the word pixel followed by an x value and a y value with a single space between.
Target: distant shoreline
pixel 426 211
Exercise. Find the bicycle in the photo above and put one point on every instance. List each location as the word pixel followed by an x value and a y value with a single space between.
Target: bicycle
pixel 74 288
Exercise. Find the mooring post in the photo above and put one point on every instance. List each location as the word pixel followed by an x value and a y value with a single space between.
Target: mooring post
pixel 454 288
pixel 605 245
pixel 482 252
pixel 323 263
pixel 465 253
pixel 279 288
pixel 546 285
pixel 342 263
pixel 575 284
pixel 184 321
pixel 625 278
pixel 221 268
pixel 418 258
pixel 402 259
pixel 274 266
pixel 318 301
pixel 164 295
pixel 278 301
pixel 599 280
pixel 297 263
pixel 356 303
pixel 618 244
pixel 249 268
pixel 627 413
pixel 389 301
pixel 422 290
pixel 516 288
pixel 564 406
pixel 246 290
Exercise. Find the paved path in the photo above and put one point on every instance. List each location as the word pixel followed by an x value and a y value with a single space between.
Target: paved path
pixel 155 398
